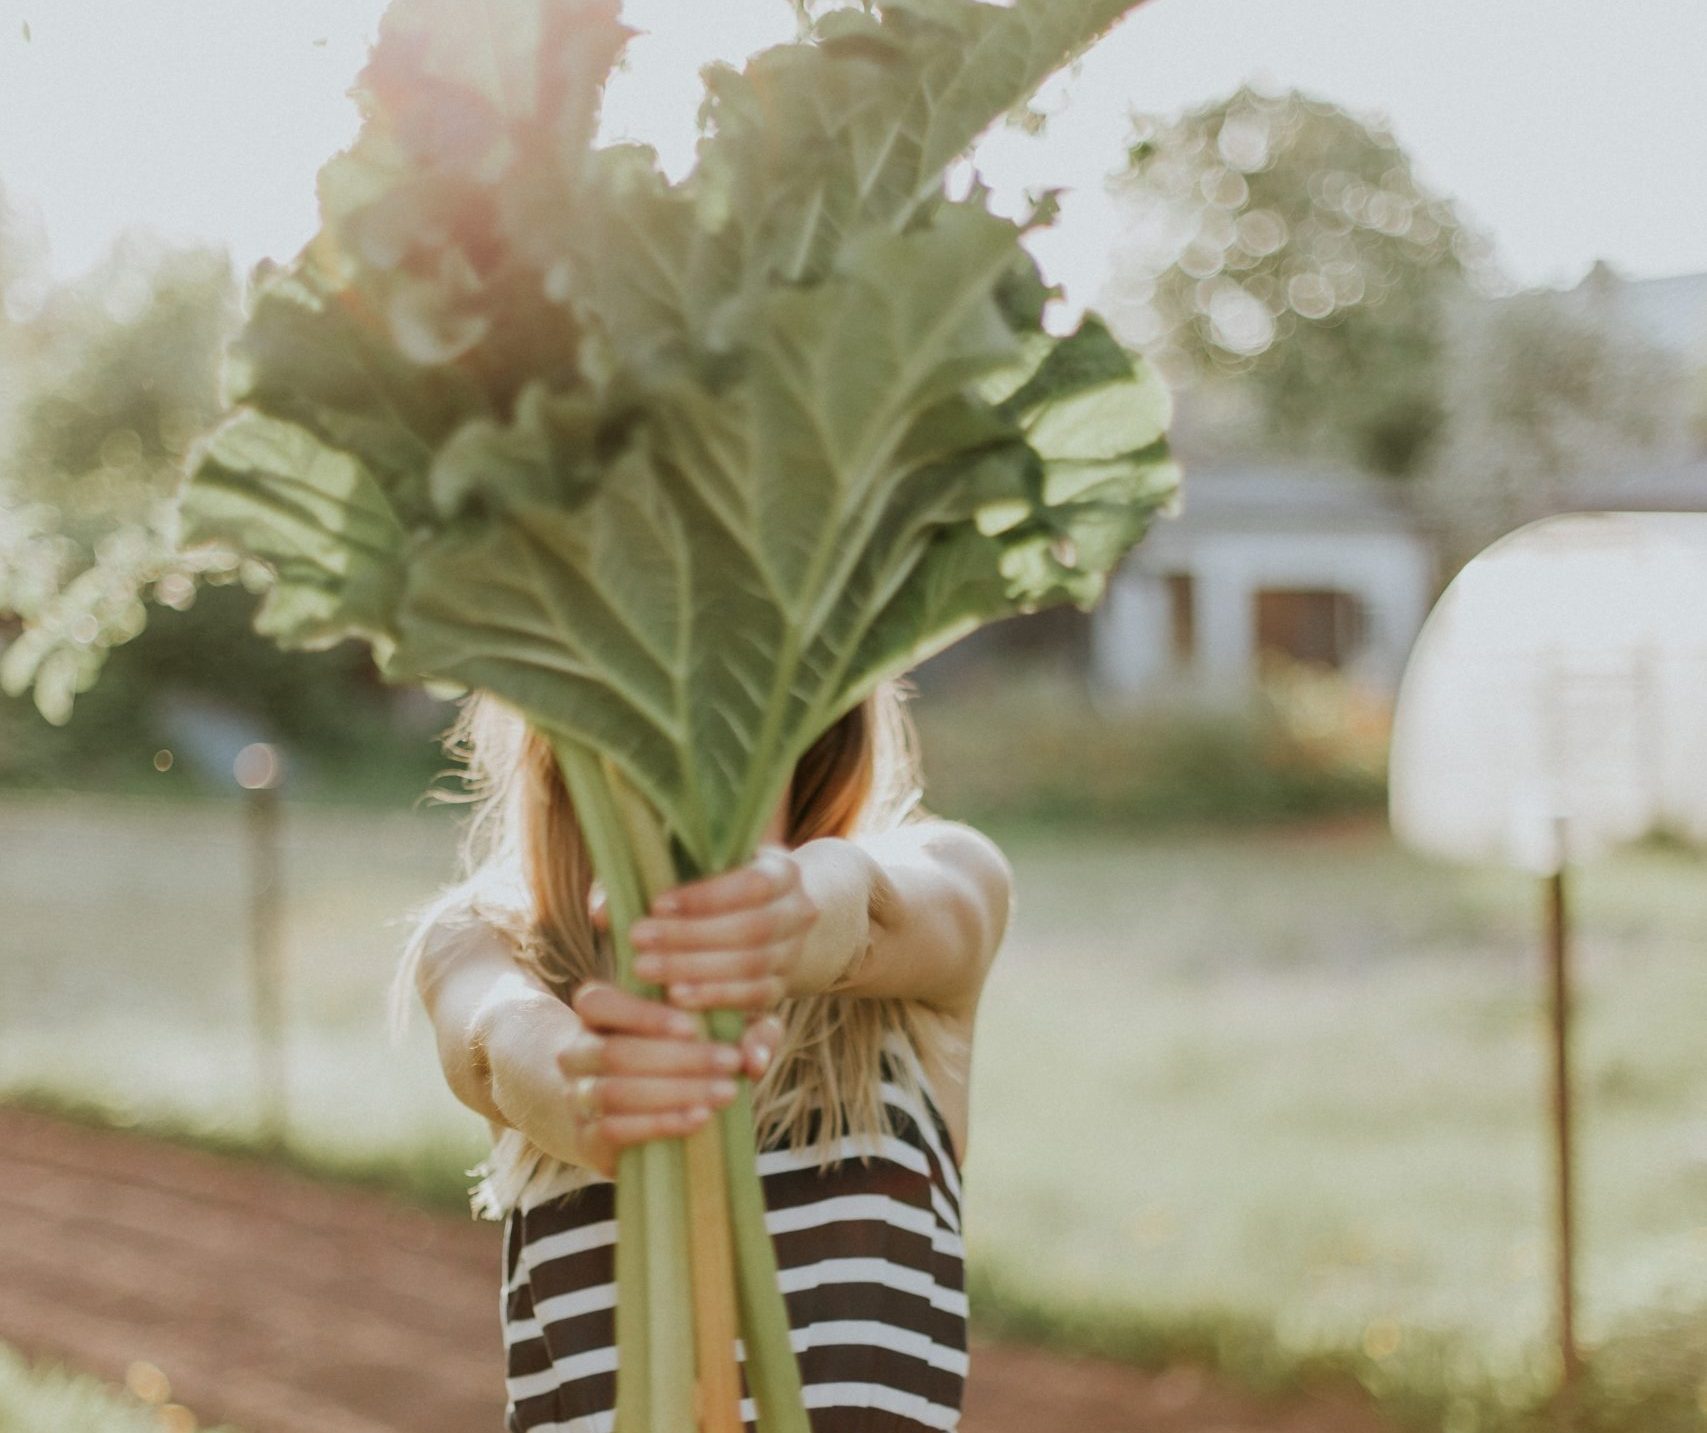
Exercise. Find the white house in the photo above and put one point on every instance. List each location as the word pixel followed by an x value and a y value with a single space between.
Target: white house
pixel 1333 567
pixel 1320 566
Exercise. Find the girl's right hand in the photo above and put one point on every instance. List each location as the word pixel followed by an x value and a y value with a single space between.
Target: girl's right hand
pixel 638 1070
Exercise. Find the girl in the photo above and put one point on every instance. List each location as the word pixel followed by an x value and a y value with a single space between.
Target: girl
pixel 858 941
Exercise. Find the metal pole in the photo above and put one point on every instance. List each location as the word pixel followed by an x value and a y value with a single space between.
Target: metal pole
pixel 1564 1133
pixel 260 780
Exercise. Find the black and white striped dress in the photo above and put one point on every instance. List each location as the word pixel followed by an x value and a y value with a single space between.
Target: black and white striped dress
pixel 872 1269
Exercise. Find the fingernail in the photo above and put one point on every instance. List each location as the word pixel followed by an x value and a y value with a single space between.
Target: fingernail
pixel 684 1025
pixel 666 904
pixel 649 967
pixel 727 1057
pixel 642 932
pixel 723 1090
pixel 698 1115
pixel 685 994
pixel 762 1056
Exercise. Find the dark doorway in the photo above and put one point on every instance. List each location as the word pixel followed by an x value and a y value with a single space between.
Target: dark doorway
pixel 1316 625
pixel 1182 618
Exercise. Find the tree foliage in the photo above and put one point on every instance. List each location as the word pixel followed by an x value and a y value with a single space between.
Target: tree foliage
pixel 118 374
pixel 1544 389
pixel 1285 263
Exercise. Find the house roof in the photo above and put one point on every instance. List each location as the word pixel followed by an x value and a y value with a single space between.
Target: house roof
pixel 1670 311
pixel 1286 496
pixel 1673 487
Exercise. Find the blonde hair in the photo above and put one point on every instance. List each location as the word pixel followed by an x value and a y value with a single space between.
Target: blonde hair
pixel 525 872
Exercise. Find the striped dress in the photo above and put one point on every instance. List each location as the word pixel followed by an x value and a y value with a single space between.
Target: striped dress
pixel 872 1269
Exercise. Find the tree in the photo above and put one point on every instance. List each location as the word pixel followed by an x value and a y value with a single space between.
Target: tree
pixel 1543 389
pixel 23 267
pixel 1284 265
pixel 23 281
pixel 117 376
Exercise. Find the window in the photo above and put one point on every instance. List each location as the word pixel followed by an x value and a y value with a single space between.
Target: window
pixel 1316 625
pixel 1182 618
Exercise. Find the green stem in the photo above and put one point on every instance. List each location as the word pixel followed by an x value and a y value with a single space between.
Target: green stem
pixel 710 1245
pixel 634 1407
pixel 655 1388
pixel 668 1284
pixel 773 1373
pixel 631 853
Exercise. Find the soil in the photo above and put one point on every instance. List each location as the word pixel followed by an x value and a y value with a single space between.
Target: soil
pixel 281 1305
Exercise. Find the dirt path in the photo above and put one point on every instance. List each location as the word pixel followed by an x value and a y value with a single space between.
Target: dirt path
pixel 284 1306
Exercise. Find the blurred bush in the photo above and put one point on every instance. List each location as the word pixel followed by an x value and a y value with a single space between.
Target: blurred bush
pixel 1650 1377
pixel 105 382
pixel 1034 746
pixel 36 1397
pixel 111 378
pixel 344 733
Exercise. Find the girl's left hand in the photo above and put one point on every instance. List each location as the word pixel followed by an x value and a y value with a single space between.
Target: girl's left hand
pixel 729 942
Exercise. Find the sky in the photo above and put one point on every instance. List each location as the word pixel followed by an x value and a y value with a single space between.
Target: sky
pixel 1570 130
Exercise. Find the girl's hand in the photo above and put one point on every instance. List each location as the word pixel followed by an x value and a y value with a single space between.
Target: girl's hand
pixel 638 1070
pixel 730 942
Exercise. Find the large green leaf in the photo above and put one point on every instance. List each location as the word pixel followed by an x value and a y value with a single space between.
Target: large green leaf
pixel 810 143
pixel 728 588
pixel 680 618
pixel 681 470
pixel 306 359
pixel 315 516
pixel 1039 530
pixel 443 222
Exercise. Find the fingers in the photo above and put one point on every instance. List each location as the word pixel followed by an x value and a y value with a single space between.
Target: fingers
pixel 727 962
pixel 608 1009
pixel 624 1130
pixel 756 995
pixel 641 1071
pixel 702 967
pixel 628 1088
pixel 626 1055
pixel 730 941
pixel 769 875
pixel 637 1095
pixel 759 1046
pixel 781 918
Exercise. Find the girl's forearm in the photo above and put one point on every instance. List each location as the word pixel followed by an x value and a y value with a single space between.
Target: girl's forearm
pixel 527 1085
pixel 845 883
pixel 916 914
pixel 498 1029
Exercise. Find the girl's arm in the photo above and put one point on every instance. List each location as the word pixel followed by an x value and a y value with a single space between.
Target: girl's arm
pixel 514 1052
pixel 915 913
pixel 472 986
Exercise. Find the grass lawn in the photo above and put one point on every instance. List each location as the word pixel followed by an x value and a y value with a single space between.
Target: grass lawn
pixel 1284 1082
